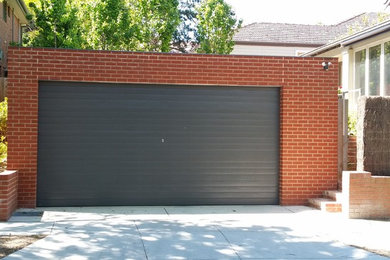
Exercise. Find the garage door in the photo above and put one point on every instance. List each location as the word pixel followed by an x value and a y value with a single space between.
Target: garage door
pixel 114 144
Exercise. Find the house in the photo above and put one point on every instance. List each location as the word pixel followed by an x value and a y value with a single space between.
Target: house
pixel 281 39
pixel 365 62
pixel 13 18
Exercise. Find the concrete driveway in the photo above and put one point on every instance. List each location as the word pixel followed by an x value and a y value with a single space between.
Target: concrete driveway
pixel 215 232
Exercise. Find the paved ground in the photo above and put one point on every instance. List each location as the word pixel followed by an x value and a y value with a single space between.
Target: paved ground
pixel 217 232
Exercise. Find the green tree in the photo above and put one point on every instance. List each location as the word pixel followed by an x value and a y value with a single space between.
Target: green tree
pixel 3 131
pixel 184 38
pixel 135 25
pixel 364 22
pixel 27 2
pixel 141 25
pixel 157 21
pixel 55 24
pixel 108 25
pixel 216 27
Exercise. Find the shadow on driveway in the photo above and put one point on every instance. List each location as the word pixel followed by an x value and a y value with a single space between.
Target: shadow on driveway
pixel 277 235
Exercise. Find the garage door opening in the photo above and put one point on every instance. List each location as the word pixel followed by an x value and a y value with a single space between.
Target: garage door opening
pixel 126 144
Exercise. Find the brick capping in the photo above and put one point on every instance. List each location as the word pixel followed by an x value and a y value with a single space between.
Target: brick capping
pixel 366 196
pixel 308 112
pixel 8 194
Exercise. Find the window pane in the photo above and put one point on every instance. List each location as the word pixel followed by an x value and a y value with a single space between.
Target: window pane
pixel 374 73
pixel 387 68
pixel 360 72
pixel 5 11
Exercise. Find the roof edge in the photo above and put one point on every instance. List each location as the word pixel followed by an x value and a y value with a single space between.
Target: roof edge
pixel 253 43
pixel 350 19
pixel 23 7
pixel 346 41
pixel 20 10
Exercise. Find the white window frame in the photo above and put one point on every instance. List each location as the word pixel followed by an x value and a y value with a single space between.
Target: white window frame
pixel 367 66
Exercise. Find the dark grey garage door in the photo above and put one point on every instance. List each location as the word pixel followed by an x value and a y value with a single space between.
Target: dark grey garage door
pixel 113 144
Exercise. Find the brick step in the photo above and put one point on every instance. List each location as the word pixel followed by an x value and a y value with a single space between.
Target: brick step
pixel 325 204
pixel 335 195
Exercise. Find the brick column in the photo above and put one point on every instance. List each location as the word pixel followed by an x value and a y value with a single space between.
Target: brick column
pixel 8 194
pixel 366 196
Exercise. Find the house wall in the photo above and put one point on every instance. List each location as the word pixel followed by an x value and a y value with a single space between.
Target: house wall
pixel 16 31
pixel 9 32
pixel 308 114
pixel 241 49
pixel 347 56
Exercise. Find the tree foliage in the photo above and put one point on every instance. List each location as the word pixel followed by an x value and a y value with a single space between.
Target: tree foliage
pixel 185 36
pixel 55 24
pixel 216 27
pixel 366 21
pixel 157 21
pixel 3 131
pixel 136 25
pixel 108 25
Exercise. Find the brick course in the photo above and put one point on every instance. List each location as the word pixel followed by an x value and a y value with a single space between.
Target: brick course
pixel 308 133
pixel 8 193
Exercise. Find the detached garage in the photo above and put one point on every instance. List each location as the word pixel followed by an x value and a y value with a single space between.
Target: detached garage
pixel 127 128
pixel 127 144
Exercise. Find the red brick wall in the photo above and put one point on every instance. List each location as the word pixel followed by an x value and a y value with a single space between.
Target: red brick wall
pixel 308 137
pixel 352 151
pixel 366 196
pixel 8 193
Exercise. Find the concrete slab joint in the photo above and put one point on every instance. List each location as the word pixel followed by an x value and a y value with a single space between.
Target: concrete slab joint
pixel 8 194
pixel 366 196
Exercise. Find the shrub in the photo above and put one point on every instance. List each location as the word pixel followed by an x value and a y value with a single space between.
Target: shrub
pixel 352 120
pixel 3 132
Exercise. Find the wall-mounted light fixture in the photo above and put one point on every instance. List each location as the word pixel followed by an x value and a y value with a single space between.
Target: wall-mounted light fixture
pixel 326 65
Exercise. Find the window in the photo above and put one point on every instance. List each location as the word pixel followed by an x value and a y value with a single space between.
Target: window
pixel 5 11
pixel 374 71
pixel 387 69
pixel 360 71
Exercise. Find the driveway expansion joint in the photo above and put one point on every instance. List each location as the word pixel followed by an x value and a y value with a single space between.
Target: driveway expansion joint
pixel 142 241
pixel 230 244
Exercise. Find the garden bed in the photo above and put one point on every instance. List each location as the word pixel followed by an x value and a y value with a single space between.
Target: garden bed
pixel 11 244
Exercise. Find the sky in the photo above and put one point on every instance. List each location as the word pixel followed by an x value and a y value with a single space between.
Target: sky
pixel 303 11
